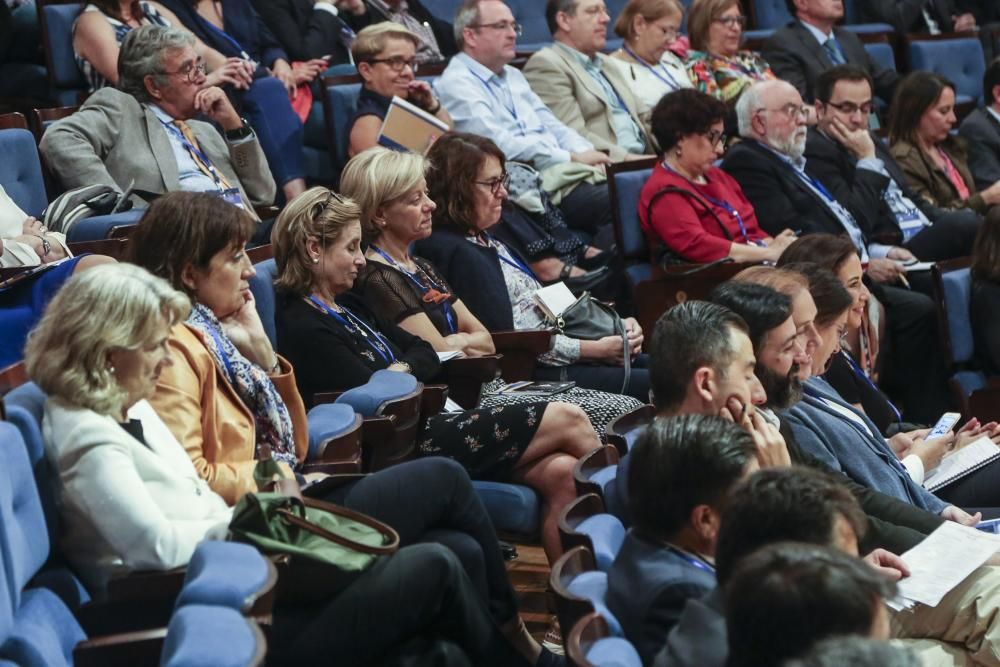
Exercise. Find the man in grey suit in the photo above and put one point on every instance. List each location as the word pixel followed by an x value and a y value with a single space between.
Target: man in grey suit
pixel 582 86
pixel 142 132
pixel 981 129
pixel 812 44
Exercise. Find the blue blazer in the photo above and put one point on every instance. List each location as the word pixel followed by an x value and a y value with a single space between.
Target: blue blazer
pixel 648 586
pixel 844 445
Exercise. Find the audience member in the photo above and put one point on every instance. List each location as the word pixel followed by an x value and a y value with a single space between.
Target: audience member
pixel 921 16
pixel 142 135
pixel 391 191
pixel 437 37
pixel 468 178
pixel 690 209
pixel 649 29
pixel 859 171
pixel 20 52
pixel 582 87
pixel 981 131
pixel 813 43
pixel 385 55
pixel 785 597
pixel 337 343
pixel 488 97
pixel 934 161
pixel 24 240
pixel 717 66
pixel 683 469
pixel 984 306
pixel 233 28
pixel 857 651
pixel 132 500
pixel 312 29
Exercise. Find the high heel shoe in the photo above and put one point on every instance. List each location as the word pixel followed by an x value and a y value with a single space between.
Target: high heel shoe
pixel 588 281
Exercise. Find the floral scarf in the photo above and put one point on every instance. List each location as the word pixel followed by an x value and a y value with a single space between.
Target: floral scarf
pixel 253 386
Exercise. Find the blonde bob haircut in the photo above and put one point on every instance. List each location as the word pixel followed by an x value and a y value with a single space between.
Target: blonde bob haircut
pixel 316 213
pixel 650 10
pixel 700 17
pixel 372 40
pixel 106 308
pixel 377 177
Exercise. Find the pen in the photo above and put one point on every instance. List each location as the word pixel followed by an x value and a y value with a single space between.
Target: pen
pixel 902 279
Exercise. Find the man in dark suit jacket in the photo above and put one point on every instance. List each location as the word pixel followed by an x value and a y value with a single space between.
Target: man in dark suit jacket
pixel 981 129
pixel 859 171
pixel 920 16
pixel 812 44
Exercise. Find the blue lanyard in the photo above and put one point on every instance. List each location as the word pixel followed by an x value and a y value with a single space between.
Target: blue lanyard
pixel 229 38
pixel 230 375
pixel 512 109
pixel 449 312
pixel 512 261
pixel 191 148
pixel 726 206
pixel 696 562
pixel 861 374
pixel 385 351
pixel 812 181
pixel 670 80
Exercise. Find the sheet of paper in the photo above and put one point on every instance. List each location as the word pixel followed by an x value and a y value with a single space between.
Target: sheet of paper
pixel 917 266
pixel 943 560
pixel 971 455
pixel 450 354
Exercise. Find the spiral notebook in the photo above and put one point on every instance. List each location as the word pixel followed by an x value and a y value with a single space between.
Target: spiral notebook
pixel 965 461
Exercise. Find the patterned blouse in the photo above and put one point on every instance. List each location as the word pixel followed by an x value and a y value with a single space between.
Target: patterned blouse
pixel 94 78
pixel 727 78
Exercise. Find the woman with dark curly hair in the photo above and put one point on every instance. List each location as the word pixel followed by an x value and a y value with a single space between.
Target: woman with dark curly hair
pixel 689 208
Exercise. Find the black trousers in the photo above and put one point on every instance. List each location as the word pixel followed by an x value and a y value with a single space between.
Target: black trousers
pixel 602 378
pixel 588 209
pixel 432 500
pixel 951 236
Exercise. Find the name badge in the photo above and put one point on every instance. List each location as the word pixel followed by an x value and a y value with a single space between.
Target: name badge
pixel 232 195
pixel 910 226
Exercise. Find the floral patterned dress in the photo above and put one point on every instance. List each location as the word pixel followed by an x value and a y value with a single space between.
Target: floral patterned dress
pixel 727 78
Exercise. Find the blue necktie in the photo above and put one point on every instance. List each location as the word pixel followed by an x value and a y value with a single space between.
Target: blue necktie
pixel 833 50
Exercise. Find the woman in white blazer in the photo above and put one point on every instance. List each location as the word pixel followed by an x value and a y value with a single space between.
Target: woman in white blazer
pixel 131 499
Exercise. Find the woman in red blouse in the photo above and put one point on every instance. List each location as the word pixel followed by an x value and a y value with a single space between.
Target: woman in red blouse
pixel 689 208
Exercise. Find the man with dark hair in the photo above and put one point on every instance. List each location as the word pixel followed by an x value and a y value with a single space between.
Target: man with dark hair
pixel 859 171
pixel 812 43
pixel 785 597
pixel 856 652
pixel 981 129
pixel 581 85
pixel 682 471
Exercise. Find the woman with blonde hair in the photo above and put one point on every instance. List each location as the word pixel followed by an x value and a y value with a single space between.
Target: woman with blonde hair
pixel 650 28
pixel 337 342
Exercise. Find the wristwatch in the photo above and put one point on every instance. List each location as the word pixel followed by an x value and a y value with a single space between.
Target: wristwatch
pixel 239 133
pixel 46 246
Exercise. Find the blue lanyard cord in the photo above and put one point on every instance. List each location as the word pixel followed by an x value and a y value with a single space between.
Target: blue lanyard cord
pixel 173 129
pixel 373 338
pixel 449 312
pixel 726 206
pixel 230 375
pixel 512 261
pixel 694 561
pixel 229 38
pixel 512 109
pixel 669 80
pixel 861 374
pixel 816 184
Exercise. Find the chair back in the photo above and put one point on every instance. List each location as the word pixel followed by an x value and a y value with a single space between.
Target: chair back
pixel 443 9
pixel 623 431
pixel 57 21
pixel 42 119
pixel 595 470
pixel 531 15
pixel 13 121
pixel 591 644
pixel 769 13
pixel 397 397
pixel 584 523
pixel 24 537
pixel 952 283
pixel 265 299
pixel 340 101
pixel 334 434
pixel 625 181
pixel 21 171
pixel 959 58
pixel 882 53
pixel 580 589
pixel 677 284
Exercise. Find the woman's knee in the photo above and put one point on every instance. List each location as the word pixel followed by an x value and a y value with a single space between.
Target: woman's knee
pixel 572 427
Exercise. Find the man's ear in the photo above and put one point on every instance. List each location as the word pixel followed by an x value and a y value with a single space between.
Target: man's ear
pixel 562 21
pixel 703 383
pixel 152 90
pixel 705 521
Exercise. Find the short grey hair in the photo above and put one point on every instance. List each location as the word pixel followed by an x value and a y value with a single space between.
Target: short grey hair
pixel 467 15
pixel 747 105
pixel 858 651
pixel 106 308
pixel 142 54
pixel 552 9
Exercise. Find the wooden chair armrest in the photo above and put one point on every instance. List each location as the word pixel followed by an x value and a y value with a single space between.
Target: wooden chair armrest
pixel 346 467
pixel 125 650
pixel 466 377
pixel 520 351
pixel 266 212
pixel 322 397
pixel 138 601
pixel 432 399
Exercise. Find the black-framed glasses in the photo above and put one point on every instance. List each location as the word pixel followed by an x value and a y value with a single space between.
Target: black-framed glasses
pixel 494 184
pixel 501 26
pixel 397 63
pixel 715 137
pixel 791 110
pixel 850 108
pixel 190 71
pixel 731 21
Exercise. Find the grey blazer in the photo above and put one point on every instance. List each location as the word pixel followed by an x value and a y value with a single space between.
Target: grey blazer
pixel 796 56
pixel 843 445
pixel 579 102
pixel 982 133
pixel 113 139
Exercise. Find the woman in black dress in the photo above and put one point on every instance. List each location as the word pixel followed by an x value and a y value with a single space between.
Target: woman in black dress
pixel 336 343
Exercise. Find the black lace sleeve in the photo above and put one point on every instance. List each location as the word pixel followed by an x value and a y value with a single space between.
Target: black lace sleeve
pixel 394 296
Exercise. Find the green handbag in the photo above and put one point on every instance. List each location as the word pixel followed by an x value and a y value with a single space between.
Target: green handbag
pixel 326 546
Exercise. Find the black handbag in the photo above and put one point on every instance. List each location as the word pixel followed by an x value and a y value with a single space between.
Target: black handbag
pixel 590 319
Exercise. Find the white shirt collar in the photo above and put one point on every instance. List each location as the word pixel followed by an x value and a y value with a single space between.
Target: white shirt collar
pixel 993 112
pixel 820 36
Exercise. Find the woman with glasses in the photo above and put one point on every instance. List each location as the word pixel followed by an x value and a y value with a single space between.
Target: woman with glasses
pixel 468 181
pixel 935 162
pixel 650 28
pixel 386 57
pixel 690 209
pixel 717 66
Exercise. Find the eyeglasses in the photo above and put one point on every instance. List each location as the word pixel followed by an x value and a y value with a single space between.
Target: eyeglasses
pixel 715 138
pixel 791 110
pixel 850 108
pixel 397 63
pixel 670 34
pixel 494 184
pixel 319 207
pixel 191 71
pixel 502 26
pixel 731 21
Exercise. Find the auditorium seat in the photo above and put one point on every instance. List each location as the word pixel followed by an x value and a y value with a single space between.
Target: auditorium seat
pixel 580 589
pixel 65 78
pixel 595 471
pixel 590 644
pixel 206 636
pixel 959 58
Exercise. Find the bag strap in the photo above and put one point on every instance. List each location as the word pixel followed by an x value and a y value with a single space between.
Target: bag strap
pixel 375 524
pixel 667 254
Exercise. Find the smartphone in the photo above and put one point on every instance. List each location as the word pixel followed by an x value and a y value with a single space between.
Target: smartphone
pixel 944 424
pixel 989 526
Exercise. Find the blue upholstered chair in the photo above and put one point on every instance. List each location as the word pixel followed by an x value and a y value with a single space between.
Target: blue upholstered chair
pixel 770 14
pixel 580 589
pixel 595 471
pixel 590 643
pixel 960 59
pixel 65 78
pixel 531 15
pixel 231 575
pixel 625 181
pixel 262 288
pixel 584 523
pixel 443 9
pixel 882 53
pixel 207 636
